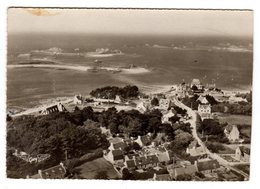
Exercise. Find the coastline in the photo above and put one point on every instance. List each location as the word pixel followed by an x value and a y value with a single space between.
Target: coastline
pixel 138 70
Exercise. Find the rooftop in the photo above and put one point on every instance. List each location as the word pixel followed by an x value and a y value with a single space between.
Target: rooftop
pixel 207 164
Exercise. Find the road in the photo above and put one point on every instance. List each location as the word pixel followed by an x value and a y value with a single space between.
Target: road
pixel 193 124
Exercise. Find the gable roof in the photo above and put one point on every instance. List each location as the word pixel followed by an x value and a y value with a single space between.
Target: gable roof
pixel 189 170
pixel 56 172
pixel 130 163
pixel 152 159
pixel 203 100
pixel 208 165
pixel 197 151
pixel 144 139
pixel 204 106
pixel 119 145
pixel 117 154
pixel 244 149
pixel 163 157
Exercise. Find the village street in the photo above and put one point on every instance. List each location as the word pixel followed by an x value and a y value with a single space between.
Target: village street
pixel 193 123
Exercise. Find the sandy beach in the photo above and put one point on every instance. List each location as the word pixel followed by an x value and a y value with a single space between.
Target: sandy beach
pixel 81 68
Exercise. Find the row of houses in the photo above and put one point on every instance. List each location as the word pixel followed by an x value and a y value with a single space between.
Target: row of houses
pixel 146 105
pixel 149 155
pixel 56 172
pixel 181 168
pixel 205 166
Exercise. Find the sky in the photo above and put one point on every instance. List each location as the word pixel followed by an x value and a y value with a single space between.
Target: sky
pixel 119 21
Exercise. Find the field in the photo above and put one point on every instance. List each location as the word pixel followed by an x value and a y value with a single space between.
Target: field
pixel 234 119
pixel 89 169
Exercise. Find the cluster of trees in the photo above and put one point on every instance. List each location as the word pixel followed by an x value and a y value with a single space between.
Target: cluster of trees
pixel 155 102
pixel 241 108
pixel 215 147
pixel 247 96
pixel 179 110
pixel 54 134
pixel 212 130
pixel 181 141
pixel 111 92
pixel 62 135
pixel 131 123
pixel 193 102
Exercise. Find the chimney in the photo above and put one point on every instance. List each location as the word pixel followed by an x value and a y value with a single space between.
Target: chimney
pixel 62 165
pixel 40 173
pixel 154 176
pixel 196 163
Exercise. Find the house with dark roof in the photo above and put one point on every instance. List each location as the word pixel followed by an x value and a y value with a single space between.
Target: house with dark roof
pixel 56 172
pixel 143 140
pixel 207 165
pixel 53 108
pixel 114 156
pixel 242 153
pixel 117 146
pixel 144 162
pixel 130 164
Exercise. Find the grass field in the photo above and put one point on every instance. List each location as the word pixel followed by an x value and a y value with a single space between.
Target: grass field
pixel 89 169
pixel 234 119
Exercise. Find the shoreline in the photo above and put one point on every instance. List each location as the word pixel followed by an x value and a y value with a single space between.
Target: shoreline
pixel 138 70
pixel 146 89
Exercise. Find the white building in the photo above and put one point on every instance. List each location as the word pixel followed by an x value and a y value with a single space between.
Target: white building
pixel 78 99
pixel 232 133
pixel 203 100
pixel 53 108
pixel 197 83
pixel 204 111
pixel 167 116
pixel 164 103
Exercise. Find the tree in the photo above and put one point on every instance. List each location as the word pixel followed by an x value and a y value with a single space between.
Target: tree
pixel 155 102
pixel 113 128
pixel 136 146
pixel 181 141
pixel 8 118
pixel 76 108
pixel 126 175
pixel 214 147
pixel 174 119
pixel 101 175
pixel 194 88
pixel 211 127
pixel 184 177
